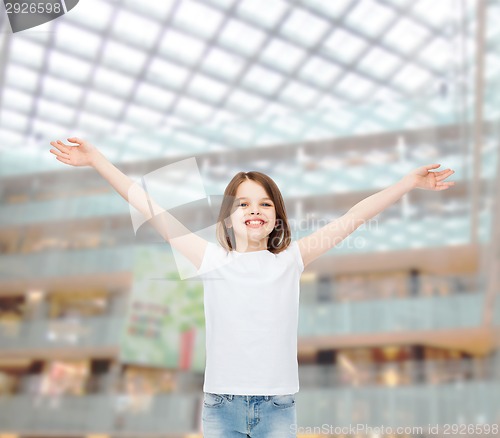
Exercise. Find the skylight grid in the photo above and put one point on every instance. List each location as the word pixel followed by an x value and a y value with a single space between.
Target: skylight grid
pixel 437 54
pixel 159 10
pixel 354 86
pixel 319 71
pixel 17 100
pixel 199 18
pixel 167 73
pixel 371 41
pixel 10 136
pixel 331 9
pixel 119 56
pixel 344 45
pixel 223 64
pixel 157 98
pixel 379 62
pixel 364 74
pixel 302 45
pixel 56 112
pixel 300 95
pixel 28 53
pixel 285 56
pixel 305 28
pixel 181 46
pixel 43 127
pixel 406 35
pixel 22 78
pixel 270 57
pixel 263 79
pixel 245 39
pixel 245 103
pixel 103 104
pixel 211 89
pixel 193 110
pixel 125 20
pixel 370 17
pixel 14 119
pixel 61 90
pixel 111 81
pixel 263 12
pixel 71 67
pixel 441 11
pixel 142 117
pixel 87 15
pixel 69 38
pixel 412 78
pixel 222 4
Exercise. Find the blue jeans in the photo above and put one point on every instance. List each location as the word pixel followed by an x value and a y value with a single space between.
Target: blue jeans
pixel 255 416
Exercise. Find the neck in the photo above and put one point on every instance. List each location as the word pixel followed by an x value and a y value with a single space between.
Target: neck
pixel 251 246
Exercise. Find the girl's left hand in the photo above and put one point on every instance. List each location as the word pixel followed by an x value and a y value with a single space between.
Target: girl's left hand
pixel 421 178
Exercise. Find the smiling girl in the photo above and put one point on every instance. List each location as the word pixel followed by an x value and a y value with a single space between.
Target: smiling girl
pixel 251 287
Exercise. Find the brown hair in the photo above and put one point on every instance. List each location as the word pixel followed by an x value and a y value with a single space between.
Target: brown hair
pixel 280 238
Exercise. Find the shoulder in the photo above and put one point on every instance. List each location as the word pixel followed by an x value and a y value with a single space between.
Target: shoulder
pixel 214 257
pixel 292 252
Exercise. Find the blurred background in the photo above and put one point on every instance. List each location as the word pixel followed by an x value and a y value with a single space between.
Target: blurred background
pixel 335 100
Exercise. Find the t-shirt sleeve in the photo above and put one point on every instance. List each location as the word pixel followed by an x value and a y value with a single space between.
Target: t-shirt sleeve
pixel 295 250
pixel 214 257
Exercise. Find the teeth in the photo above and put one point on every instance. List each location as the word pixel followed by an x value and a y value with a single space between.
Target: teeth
pixel 254 222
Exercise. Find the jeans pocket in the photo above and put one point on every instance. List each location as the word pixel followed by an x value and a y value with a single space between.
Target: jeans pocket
pixel 283 401
pixel 211 400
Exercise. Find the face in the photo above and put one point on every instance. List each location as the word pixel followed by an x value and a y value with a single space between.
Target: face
pixel 254 216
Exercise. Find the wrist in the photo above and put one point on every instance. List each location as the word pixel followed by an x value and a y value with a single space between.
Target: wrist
pixel 409 182
pixel 96 158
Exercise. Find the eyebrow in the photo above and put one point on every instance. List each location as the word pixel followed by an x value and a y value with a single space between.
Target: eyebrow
pixel 262 199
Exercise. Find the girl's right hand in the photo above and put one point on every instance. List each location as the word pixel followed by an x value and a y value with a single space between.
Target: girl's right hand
pixel 82 153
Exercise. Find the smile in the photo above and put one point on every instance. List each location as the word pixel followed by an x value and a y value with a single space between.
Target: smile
pixel 254 223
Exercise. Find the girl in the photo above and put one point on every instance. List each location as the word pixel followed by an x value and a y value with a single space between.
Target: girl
pixel 251 287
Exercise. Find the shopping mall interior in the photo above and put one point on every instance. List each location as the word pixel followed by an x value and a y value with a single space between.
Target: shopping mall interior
pixel 398 331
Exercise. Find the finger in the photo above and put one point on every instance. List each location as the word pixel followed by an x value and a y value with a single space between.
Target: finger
pixel 445 184
pixel 443 175
pixel 64 160
pixel 67 146
pixel 430 166
pixel 59 153
pixel 441 172
pixel 60 145
pixel 75 140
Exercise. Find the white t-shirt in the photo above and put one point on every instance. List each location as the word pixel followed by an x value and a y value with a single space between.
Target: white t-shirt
pixel 251 314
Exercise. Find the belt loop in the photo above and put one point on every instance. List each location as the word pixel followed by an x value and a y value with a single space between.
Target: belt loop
pixel 231 397
pixel 267 397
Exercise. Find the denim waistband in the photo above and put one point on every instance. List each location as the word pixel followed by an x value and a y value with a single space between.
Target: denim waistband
pixel 248 397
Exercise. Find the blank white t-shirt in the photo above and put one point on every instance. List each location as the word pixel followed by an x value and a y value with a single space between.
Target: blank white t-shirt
pixel 251 314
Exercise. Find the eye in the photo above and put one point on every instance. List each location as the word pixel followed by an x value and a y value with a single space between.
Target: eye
pixel 242 204
pixel 267 204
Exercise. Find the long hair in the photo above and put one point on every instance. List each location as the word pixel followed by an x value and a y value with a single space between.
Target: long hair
pixel 280 238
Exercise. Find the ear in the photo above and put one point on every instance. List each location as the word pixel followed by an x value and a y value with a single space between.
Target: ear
pixel 228 223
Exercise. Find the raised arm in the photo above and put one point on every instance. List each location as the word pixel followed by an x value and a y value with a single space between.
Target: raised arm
pixel 322 240
pixel 82 153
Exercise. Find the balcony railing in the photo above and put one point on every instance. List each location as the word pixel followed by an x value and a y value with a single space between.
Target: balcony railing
pixel 325 409
pixel 58 263
pixel 420 313
pixel 375 316
pixel 398 373
pixel 60 333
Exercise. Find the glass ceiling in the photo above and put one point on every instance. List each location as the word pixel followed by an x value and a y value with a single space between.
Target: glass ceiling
pixel 170 77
